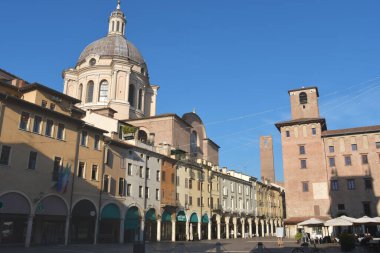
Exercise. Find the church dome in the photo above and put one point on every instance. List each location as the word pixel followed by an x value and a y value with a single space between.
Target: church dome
pixel 113 46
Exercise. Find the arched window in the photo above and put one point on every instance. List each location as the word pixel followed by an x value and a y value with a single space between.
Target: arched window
pixel 90 92
pixel 113 26
pixel 117 26
pixel 139 106
pixel 103 91
pixel 193 143
pixel 303 98
pixel 80 91
pixel 122 27
pixel 142 136
pixel 131 95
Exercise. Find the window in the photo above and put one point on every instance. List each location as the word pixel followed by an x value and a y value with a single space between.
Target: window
pixel 49 128
pixel 190 200
pixel 80 91
pixel 347 160
pixel 341 207
pixel 106 183
pixel 287 133
pixel 367 209
pixel 157 194
pixel 305 186
pixel 368 183
pixel 146 192
pixel 37 124
pixel 239 189
pixel 140 191
pixel 350 184
pixel 131 95
pixel 332 161
pixel 364 159
pixel 94 172
pixel 186 183
pixel 354 147
pixel 44 103
pixel 32 160
pixel 313 131
pixel 334 185
pixel 81 169
pixel 90 92
pixel 163 175
pixel 331 149
pixel 139 105
pixel 303 163
pixel 83 138
pixel 52 106
pixel 302 150
pixel 129 169
pixel 173 178
pixel 129 189
pixel 24 120
pixel 61 131
pixel 121 187
pixel 190 184
pixel 303 98
pixel 147 173
pixel 158 176
pixel 97 142
pixel 56 168
pixel 5 155
pixel 141 171
pixel 198 202
pixel 378 145
pixel 103 91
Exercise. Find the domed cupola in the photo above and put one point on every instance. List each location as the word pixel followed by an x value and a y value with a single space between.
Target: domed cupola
pixel 117 22
pixel 111 73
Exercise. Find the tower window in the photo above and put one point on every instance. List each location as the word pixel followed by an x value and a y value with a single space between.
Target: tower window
pixel 313 131
pixel 90 92
pixel 302 150
pixel 113 26
pixel 287 133
pixel 131 95
pixel 305 186
pixel 103 91
pixel 92 61
pixel 139 106
pixel 80 90
pixel 117 26
pixel 303 98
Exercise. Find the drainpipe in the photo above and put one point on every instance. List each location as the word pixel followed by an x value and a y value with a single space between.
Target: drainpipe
pixel 73 184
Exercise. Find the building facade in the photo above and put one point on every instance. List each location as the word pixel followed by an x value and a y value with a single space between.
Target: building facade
pixel 327 173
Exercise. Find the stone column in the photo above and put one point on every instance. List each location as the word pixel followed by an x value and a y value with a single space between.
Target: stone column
pixel 121 232
pixel 272 227
pixel 29 231
pixel 250 227
pixel 227 229
pixel 158 230
pixel 67 228
pixel 267 225
pixel 235 228
pixel 257 227
pixel 142 229
pixel 199 231
pixel 187 231
pixel 173 230
pixel 218 230
pixel 209 230
pixel 262 228
pixel 242 229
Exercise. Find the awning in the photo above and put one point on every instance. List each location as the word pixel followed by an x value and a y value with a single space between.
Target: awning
pixel 111 211
pixel 194 218
pixel 338 222
pixel 312 222
pixel 205 218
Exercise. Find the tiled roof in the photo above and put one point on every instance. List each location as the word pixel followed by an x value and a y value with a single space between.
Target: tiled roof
pixel 348 131
pixel 302 121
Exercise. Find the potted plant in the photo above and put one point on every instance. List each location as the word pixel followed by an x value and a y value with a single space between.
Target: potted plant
pixel 129 132
pixel 298 237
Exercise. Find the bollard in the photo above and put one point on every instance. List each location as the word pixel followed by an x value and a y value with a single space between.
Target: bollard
pixel 260 247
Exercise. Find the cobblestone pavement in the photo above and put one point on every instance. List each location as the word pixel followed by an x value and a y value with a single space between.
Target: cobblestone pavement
pixel 213 246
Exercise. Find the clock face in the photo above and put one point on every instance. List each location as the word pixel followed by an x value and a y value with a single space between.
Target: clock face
pixel 92 62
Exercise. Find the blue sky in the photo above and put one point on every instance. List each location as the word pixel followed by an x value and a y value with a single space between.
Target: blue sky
pixel 233 61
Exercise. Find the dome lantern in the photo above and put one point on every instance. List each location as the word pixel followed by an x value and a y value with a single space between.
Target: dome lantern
pixel 117 22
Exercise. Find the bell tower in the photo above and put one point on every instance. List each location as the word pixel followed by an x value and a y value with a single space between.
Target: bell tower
pixel 304 103
pixel 117 22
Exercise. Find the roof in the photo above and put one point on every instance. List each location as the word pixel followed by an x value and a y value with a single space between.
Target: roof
pixel 166 115
pixel 348 131
pixel 35 86
pixel 7 76
pixel 212 142
pixel 112 45
pixel 305 88
pixel 322 121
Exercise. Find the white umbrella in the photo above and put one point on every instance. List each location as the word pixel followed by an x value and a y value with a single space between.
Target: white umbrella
pixel 312 222
pixel 348 218
pixel 338 222
pixel 366 220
